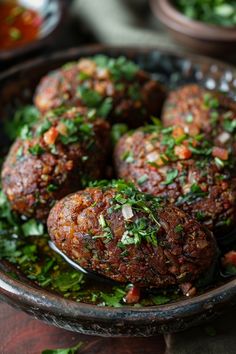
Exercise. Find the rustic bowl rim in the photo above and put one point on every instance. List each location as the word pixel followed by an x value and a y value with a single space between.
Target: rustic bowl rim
pixel 169 15
pixel 41 299
pixel 9 54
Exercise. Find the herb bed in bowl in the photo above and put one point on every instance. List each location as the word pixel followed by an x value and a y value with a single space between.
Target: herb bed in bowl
pixel 38 281
pixel 205 27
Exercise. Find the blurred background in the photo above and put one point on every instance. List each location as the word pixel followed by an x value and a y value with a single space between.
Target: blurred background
pixel 199 26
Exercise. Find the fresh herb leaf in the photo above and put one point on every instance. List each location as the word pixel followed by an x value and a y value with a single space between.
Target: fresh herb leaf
pixel 82 76
pixel 32 228
pixel 189 118
pixel 25 132
pixel 76 130
pixel 68 281
pixel 105 107
pixel 36 150
pixel 170 176
pixel 195 193
pixel 128 157
pixel 72 350
pixel 106 231
pixel 218 12
pixel 52 188
pixel 90 97
pixel 15 33
pixel 219 163
pixel 210 101
pixel 43 127
pixel 119 68
pixel 160 299
pixel 24 116
pixel 142 179
pixel 229 125
pixel 117 131
pixel 113 299
pixel 178 228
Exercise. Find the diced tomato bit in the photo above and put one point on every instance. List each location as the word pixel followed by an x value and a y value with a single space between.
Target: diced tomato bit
pixel 229 259
pixel 193 130
pixel 221 153
pixel 224 185
pixel 87 66
pixel 69 165
pixel 62 129
pixel 133 295
pixel 194 143
pixel 50 136
pixel 178 132
pixel 182 152
pixel 204 187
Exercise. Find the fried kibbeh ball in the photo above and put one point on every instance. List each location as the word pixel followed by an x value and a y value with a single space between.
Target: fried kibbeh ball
pixel 129 236
pixel 197 109
pixel 53 158
pixel 115 87
pixel 187 170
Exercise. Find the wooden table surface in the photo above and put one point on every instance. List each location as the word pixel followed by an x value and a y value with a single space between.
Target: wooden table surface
pixel 22 334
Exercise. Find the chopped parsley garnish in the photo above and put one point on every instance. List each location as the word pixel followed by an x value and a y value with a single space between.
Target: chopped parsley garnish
pixel 93 99
pixel 140 229
pixel 170 176
pixel 114 299
pixel 204 149
pixel 82 76
pixel 189 118
pixel 217 12
pixel 156 121
pixel 194 193
pixel 134 92
pixel 179 228
pixel 214 116
pixel 229 125
pixel 128 157
pixel 52 188
pixel 25 132
pixel 15 33
pixel 160 299
pixel 142 179
pixel 105 107
pixel 36 150
pixel 32 228
pixel 117 131
pixel 43 127
pixel 210 101
pixel 24 116
pixel 200 216
pixel 72 350
pixel 19 153
pixel 106 231
pixel 90 97
pixel 219 163
pixel 147 225
pixel 76 130
pixel 119 68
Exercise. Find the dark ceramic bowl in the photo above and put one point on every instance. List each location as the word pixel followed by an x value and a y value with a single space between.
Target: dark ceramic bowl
pixel 16 87
pixel 52 13
pixel 198 36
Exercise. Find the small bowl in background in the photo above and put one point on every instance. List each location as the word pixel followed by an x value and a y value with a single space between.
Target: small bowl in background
pixel 197 36
pixel 52 13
